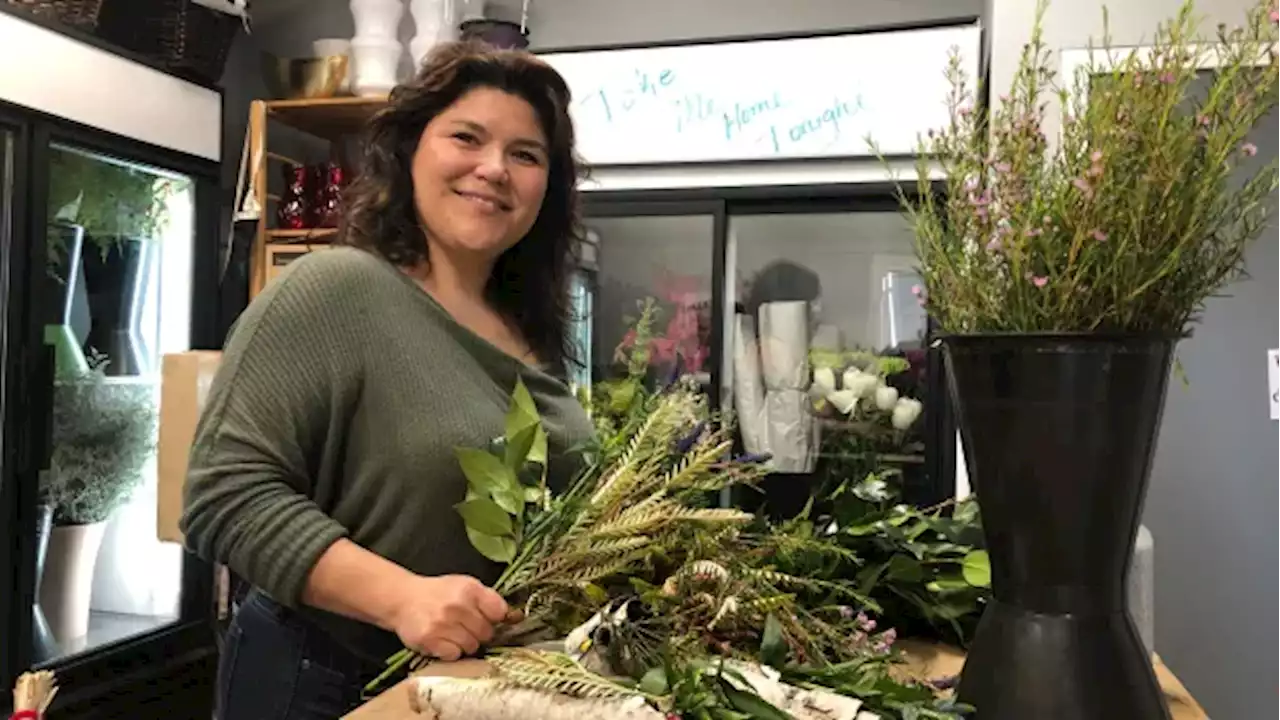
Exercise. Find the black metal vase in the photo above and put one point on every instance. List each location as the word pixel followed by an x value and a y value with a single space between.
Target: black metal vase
pixel 1059 433
pixel 112 278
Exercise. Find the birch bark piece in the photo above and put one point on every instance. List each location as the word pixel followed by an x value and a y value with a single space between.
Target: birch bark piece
pixel 800 703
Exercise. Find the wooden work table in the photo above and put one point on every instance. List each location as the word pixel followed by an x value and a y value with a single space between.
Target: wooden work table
pixel 929 660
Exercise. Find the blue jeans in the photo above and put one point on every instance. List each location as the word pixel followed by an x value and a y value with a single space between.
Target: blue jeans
pixel 277 666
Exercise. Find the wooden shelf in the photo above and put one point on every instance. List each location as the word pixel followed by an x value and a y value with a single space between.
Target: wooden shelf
pixel 325 234
pixel 328 118
pixel 333 119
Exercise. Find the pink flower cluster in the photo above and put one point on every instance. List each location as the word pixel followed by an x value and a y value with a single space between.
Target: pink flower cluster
pixel 683 338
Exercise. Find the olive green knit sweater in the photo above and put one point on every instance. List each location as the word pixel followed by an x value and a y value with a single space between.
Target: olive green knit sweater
pixel 342 394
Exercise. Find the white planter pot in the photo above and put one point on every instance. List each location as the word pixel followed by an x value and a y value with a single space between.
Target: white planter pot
pixel 377 18
pixel 67 585
pixel 434 23
pixel 376 63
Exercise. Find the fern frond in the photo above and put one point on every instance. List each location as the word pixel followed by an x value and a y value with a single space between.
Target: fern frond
pixel 555 673
pixel 575 571
pixel 704 571
pixel 637 519
pixel 591 572
pixel 782 543
pixel 813 585
pixel 621 470
pixel 540 602
pixel 611 547
pixel 693 471
pixel 714 516
pixel 766 605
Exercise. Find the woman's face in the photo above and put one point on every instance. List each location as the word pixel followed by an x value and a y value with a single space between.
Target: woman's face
pixel 480 173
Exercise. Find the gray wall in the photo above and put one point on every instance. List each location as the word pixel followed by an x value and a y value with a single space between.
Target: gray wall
pixel 1213 498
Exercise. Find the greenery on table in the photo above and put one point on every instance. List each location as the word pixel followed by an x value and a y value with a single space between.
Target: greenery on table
pixel 704 592
pixel 924 569
pixel 1133 219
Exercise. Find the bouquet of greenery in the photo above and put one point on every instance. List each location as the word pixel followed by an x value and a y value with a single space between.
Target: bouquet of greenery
pixel 664 599
pixel 1132 220
pixel 668 606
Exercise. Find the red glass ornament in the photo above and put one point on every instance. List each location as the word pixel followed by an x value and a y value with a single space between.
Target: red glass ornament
pixel 295 209
pixel 328 202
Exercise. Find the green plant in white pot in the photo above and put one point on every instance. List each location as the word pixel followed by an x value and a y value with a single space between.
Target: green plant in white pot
pixel 1063 277
pixel 104 433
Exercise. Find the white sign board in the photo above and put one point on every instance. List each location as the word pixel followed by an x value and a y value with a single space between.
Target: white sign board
pixel 818 97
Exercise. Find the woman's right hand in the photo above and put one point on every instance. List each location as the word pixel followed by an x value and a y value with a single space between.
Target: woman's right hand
pixel 448 616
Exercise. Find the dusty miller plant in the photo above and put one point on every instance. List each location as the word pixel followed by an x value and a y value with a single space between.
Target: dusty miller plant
pixel 1133 220
pixel 103 434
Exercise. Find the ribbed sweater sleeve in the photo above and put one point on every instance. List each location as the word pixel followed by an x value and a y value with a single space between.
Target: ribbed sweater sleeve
pixel 252 479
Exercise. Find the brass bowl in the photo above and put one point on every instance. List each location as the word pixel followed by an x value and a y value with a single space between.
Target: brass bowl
pixel 304 78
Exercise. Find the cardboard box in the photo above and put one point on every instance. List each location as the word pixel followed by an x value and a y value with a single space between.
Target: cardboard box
pixel 184 388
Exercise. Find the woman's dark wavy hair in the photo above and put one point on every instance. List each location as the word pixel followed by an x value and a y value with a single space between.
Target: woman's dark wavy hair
pixel 530 281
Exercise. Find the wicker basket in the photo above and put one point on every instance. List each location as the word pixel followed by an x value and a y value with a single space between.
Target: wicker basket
pixel 185 37
pixel 79 14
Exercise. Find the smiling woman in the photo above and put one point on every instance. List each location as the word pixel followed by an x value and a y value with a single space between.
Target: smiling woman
pixel 486 139
pixel 323 470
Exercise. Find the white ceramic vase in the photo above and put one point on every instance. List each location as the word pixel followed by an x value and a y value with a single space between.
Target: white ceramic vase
pixel 434 23
pixel 377 19
pixel 376 62
pixel 67 585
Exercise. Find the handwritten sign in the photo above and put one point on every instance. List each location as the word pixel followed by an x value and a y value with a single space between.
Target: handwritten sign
pixel 815 97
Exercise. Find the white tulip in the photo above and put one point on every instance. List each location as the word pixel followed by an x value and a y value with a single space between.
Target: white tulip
pixel 849 377
pixel 845 401
pixel 859 383
pixel 824 382
pixel 905 412
pixel 886 397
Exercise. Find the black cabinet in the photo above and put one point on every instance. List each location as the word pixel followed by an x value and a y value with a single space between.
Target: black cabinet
pixel 756 288
pixel 108 260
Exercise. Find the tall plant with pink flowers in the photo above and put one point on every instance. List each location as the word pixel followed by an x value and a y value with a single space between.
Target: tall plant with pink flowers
pixel 1133 219
pixel 1063 274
